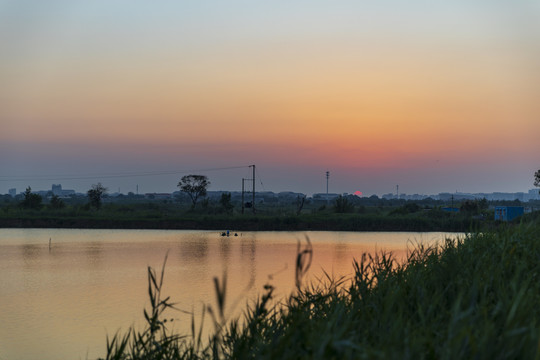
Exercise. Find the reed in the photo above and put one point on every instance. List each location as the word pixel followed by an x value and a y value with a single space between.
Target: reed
pixel 475 296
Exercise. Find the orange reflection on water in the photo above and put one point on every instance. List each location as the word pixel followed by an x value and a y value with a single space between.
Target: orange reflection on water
pixel 60 303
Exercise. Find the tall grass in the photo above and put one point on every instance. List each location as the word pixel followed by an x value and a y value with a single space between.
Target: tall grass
pixel 472 297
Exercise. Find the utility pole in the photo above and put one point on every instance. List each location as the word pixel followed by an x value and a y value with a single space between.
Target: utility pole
pixel 397 191
pixel 327 177
pixel 243 195
pixel 253 178
pixel 253 191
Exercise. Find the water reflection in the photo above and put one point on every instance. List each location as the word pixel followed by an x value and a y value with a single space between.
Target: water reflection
pixel 340 252
pixel 248 251
pixel 61 304
pixel 94 254
pixel 30 253
pixel 225 248
pixel 193 251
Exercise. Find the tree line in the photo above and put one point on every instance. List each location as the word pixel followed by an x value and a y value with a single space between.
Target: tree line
pixel 196 186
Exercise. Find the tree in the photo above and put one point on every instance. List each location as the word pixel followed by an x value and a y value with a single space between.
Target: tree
pixel 225 201
pixel 95 194
pixel 469 206
pixel 195 186
pixel 343 205
pixel 56 202
pixel 412 207
pixel 537 178
pixel 483 204
pixel 300 204
pixel 31 201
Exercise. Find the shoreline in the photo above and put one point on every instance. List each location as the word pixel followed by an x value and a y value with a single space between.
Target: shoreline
pixel 247 224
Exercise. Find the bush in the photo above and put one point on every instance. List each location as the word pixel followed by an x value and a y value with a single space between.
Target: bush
pixel 343 205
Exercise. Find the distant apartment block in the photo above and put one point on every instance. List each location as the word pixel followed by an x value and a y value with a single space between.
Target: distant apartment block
pixel 12 192
pixel 55 190
pixel 58 191
pixel 533 194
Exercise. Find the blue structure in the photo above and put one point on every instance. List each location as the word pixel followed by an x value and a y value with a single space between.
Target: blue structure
pixel 508 213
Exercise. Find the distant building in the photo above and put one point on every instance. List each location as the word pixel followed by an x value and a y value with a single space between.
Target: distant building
pixel 455 196
pixel 533 194
pixel 158 196
pixel 325 197
pixel 508 213
pixel 58 191
pixel 445 196
pixel 12 192
pixel 289 195
pixel 500 196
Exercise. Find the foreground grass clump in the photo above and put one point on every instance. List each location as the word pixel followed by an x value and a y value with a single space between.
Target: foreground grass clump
pixel 473 297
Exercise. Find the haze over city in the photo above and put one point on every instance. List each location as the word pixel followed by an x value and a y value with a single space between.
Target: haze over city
pixel 435 97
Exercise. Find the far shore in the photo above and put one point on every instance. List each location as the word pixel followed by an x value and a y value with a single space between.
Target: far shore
pixel 252 223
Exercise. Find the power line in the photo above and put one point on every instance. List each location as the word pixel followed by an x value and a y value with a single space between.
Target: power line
pixel 260 179
pixel 114 175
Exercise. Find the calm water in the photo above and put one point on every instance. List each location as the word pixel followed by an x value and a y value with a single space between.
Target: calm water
pixel 60 303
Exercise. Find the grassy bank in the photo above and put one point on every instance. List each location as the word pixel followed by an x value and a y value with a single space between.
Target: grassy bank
pixel 475 297
pixel 434 221
pixel 347 214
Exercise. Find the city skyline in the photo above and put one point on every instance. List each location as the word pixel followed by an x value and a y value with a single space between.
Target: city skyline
pixel 434 97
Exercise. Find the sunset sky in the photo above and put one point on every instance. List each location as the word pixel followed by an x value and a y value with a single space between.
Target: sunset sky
pixel 436 96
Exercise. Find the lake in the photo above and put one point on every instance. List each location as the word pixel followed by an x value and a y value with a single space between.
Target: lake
pixel 60 302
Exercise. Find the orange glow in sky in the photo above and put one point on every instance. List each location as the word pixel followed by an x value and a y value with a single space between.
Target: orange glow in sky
pixel 371 90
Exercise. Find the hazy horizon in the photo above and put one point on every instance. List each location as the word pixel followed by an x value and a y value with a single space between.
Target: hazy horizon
pixel 125 184
pixel 435 97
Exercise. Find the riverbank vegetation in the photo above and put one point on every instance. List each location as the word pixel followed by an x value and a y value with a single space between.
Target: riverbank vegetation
pixel 342 214
pixel 471 297
pixel 436 221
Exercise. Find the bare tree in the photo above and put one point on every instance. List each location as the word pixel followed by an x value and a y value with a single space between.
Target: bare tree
pixel 537 178
pixel 195 186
